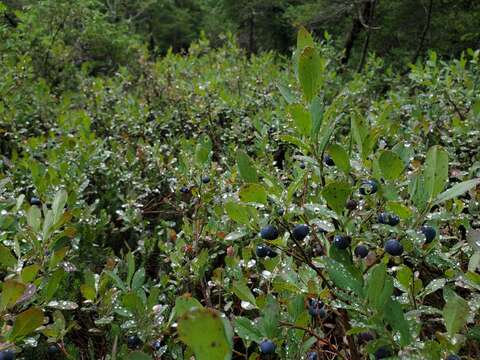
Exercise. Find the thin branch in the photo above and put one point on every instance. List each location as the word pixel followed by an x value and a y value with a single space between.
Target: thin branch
pixel 424 33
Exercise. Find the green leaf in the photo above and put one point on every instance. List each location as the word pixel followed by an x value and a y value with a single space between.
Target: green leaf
pixel 138 279
pixel 34 218
pixel 304 39
pixel 344 278
pixel 269 324
pixel 399 209
pixel 6 257
pixel 405 151
pixel 340 157
pixel 186 303
pixel 245 167
pixel 316 113
pixel 29 273
pixel 301 118
pixel 395 317
pixel 204 331
pixel 243 292
pixel 379 287
pixel 58 205
pixel 286 93
pixel 203 150
pixel 309 72
pixel 455 313
pixel 116 279
pixel 255 193
pixel 247 330
pixel 130 267
pixel 53 284
pixel 418 191
pixel 11 291
pixel 391 165
pixel 435 171
pixel 242 214
pixel 336 195
pixel 133 303
pixel 138 355
pixel 88 292
pixel 25 323
pixel 457 190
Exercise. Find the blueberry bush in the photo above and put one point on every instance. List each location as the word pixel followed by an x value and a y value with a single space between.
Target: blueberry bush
pixel 218 206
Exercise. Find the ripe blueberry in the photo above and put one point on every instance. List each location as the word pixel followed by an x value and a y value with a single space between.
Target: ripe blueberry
pixel 302 165
pixel 263 251
pixel 365 337
pixel 429 232
pixel 316 309
pixel 156 345
pixel 342 242
pixel 7 355
pixel 53 349
pixel 133 341
pixel 184 190
pixel 328 160
pixel 383 218
pixel 269 232
pixel 368 187
pixel 393 220
pixel 393 247
pixel 387 218
pixel 351 204
pixel 300 232
pixel 453 357
pixel 382 353
pixel 205 179
pixel 267 347
pixel 312 356
pixel 280 212
pixel 35 201
pixel 361 251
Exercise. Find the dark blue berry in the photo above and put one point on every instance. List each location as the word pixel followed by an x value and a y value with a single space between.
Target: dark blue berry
pixel 280 212
pixel 382 353
pixel 263 251
pixel 341 242
pixel 205 179
pixel 35 201
pixel 7 355
pixel 351 204
pixel 53 349
pixel 328 160
pixel 312 356
pixel 267 347
pixel 393 247
pixel 300 232
pixel 156 345
pixel 361 251
pixel 453 357
pixel 429 232
pixel 133 341
pixel 316 309
pixel 368 187
pixel 269 232
pixel 393 220
pixel 302 165
pixel 383 218
pixel 365 337
pixel 184 190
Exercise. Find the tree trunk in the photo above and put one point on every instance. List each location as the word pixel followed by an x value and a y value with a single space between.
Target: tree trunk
pixel 355 30
pixel 424 32
pixel 367 38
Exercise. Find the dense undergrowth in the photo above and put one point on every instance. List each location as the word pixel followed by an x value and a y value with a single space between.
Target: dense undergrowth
pixel 132 203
